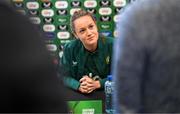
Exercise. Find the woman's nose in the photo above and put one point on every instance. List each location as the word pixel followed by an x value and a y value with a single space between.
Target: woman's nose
pixel 88 32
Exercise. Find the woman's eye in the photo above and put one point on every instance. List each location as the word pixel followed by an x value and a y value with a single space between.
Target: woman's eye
pixel 81 31
pixel 91 26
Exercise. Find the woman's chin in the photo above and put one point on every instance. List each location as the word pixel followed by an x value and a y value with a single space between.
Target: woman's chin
pixel 92 43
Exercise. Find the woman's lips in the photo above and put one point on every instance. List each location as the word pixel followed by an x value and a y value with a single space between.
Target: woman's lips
pixel 90 38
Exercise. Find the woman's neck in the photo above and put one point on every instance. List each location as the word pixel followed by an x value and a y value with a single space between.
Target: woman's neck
pixel 91 48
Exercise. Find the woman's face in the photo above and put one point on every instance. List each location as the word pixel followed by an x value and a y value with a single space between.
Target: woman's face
pixel 86 30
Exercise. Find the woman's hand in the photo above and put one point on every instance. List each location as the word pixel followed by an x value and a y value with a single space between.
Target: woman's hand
pixel 87 84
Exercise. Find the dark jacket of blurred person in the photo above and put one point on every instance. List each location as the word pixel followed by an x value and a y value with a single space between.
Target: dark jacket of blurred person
pixel 147 57
pixel 28 79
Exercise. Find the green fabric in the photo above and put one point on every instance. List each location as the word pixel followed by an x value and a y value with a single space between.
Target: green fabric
pixel 77 61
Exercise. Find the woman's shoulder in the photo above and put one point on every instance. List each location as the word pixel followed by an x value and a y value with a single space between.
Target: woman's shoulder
pixel 72 44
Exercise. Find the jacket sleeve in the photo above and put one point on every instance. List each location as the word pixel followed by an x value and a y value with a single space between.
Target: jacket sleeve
pixel 102 82
pixel 66 63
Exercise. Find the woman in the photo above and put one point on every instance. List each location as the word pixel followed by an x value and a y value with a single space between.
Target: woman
pixel 87 59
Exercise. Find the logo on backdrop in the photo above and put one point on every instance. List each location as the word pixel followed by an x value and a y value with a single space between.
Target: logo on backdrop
pixel 47 12
pixel 105 11
pixel 62 20
pixel 73 10
pixel 75 4
pixel 32 5
pixel 91 10
pixel 33 12
pixel 35 20
pixel 61 4
pixel 90 3
pixel 51 47
pixel 48 20
pixel 106 33
pixel 119 3
pixel 49 28
pixel 105 3
pixel 47 5
pixel 18 5
pixel 105 26
pixel 50 35
pixel 63 35
pixel 63 27
pixel 105 18
pixel 118 10
pixel 62 12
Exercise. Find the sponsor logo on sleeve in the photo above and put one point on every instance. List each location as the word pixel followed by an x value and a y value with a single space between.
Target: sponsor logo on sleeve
pixel 74 63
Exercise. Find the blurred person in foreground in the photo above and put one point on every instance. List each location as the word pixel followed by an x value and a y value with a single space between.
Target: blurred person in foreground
pixel 146 62
pixel 87 59
pixel 28 80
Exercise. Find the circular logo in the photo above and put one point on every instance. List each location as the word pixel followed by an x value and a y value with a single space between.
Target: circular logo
pixel 32 5
pixel 105 11
pixel 47 12
pixel 90 3
pixel 35 20
pixel 49 28
pixel 63 35
pixel 61 4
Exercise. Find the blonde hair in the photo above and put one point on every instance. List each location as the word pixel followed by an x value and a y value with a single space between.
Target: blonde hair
pixel 77 14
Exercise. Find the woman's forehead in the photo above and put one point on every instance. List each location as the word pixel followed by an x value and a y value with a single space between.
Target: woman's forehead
pixel 83 21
